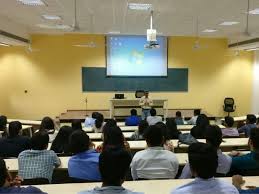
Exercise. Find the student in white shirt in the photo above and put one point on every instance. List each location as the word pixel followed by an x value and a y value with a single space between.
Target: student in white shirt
pixel 89 121
pixel 146 103
pixel 154 162
pixel 203 161
pixel 153 119
pixel 193 120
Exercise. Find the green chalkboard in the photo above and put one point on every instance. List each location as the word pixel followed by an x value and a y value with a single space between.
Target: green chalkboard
pixel 95 80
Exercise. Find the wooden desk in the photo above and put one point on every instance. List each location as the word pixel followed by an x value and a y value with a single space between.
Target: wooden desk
pixel 98 136
pixel 237 119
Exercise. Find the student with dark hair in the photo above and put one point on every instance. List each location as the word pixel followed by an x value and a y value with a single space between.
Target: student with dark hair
pixel 3 123
pixel 193 120
pixel 139 134
pixel 168 144
pixel 229 131
pixel 98 124
pixel 172 130
pixel 38 162
pixel 47 124
pixel 250 124
pixel 61 142
pixel 213 136
pixel 201 124
pixel 153 118
pixel 178 118
pixel 203 161
pixel 76 124
pixel 133 119
pixel 14 144
pixel 248 161
pixel 89 121
pixel 12 186
pixel 84 163
pixel 154 162
pixel 114 165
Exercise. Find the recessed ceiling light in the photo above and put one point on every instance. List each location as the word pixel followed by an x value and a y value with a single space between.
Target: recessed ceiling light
pixel 55 27
pixel 114 32
pixel 254 11
pixel 32 2
pixel 228 23
pixel 51 17
pixel 4 44
pixel 139 6
pixel 209 30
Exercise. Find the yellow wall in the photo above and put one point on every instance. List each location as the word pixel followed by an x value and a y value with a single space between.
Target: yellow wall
pixel 52 76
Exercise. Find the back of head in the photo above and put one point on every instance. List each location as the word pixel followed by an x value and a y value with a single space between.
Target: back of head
pixel 154 136
pixel 76 124
pixel 143 125
pixel 163 128
pixel 202 121
pixel 251 119
pixel 3 172
pixel 47 124
pixel 62 137
pixel 229 121
pixel 203 160
pixel 14 128
pixel 3 122
pixel 254 138
pixel 113 136
pixel 213 135
pixel 114 164
pixel 133 112
pixel 110 123
pixel 153 112
pixel 99 119
pixel 171 124
pixel 79 142
pixel 40 140
pixel 197 112
pixel 94 115
pixel 178 114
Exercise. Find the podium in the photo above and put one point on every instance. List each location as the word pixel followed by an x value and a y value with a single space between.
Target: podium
pixel 122 107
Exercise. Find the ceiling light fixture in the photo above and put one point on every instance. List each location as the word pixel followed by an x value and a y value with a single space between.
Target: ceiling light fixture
pixel 209 30
pixel 252 49
pixel 254 11
pixel 55 27
pixel 228 23
pixel 51 17
pixel 140 6
pixel 32 2
pixel 114 32
pixel 4 44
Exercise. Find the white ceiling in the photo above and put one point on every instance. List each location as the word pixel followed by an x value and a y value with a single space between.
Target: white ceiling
pixel 172 17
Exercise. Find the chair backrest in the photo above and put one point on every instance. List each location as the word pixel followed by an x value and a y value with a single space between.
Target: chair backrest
pixel 36 181
pixel 139 93
pixel 229 101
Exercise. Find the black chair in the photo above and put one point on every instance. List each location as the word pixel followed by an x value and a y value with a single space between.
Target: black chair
pixel 229 105
pixel 35 181
pixel 139 93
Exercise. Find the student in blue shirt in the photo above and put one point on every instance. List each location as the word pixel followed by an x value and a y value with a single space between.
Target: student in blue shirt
pixel 178 118
pixel 132 120
pixel 250 123
pixel 84 163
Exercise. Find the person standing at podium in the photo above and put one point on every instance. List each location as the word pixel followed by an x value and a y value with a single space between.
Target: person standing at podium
pixel 145 102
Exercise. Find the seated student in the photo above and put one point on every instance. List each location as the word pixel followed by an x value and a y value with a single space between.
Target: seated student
pixel 229 131
pixel 153 119
pixel 168 144
pixel 14 144
pixel 154 162
pixel 98 124
pixel 3 123
pixel 84 163
pixel 76 124
pixel 178 118
pixel 114 165
pixel 250 123
pixel 89 121
pixel 47 124
pixel 193 120
pixel 172 130
pixel 213 136
pixel 8 185
pixel 38 162
pixel 139 134
pixel 241 163
pixel 61 142
pixel 203 161
pixel 238 181
pixel 201 124
pixel 133 119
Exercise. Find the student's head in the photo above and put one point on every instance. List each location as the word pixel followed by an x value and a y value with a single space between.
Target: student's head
pixel 153 112
pixel 47 124
pixel 110 123
pixel 254 139
pixel 99 119
pixel 203 160
pixel 171 124
pixel 79 142
pixel 4 175
pixel 197 112
pixel 251 119
pixel 202 121
pixel 94 114
pixel 14 128
pixel 229 121
pixel 3 122
pixel 62 139
pixel 162 127
pixel 213 135
pixel 114 164
pixel 178 114
pixel 40 140
pixel 143 125
pixel 133 112
pixel 113 137
pixel 76 124
pixel 154 136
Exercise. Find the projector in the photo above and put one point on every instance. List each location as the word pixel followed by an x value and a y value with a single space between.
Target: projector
pixel 151 39
pixel 152 45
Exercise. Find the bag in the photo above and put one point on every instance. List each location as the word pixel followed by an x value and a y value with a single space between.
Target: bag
pixel 186 138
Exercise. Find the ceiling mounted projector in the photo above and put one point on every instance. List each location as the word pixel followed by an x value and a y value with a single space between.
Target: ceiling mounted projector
pixel 151 36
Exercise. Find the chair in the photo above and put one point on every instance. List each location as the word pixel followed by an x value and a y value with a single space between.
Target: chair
pixel 139 93
pixel 229 105
pixel 35 181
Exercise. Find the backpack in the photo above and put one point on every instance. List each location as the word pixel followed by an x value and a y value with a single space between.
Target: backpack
pixel 186 138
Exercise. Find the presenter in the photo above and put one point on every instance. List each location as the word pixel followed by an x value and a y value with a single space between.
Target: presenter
pixel 145 103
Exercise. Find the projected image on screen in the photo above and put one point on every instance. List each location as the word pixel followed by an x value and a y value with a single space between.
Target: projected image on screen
pixel 126 56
